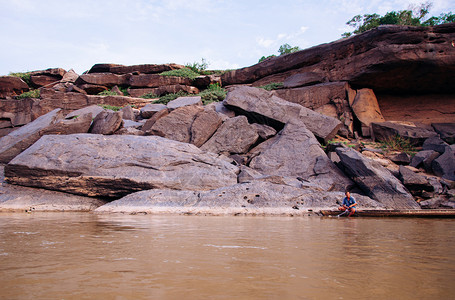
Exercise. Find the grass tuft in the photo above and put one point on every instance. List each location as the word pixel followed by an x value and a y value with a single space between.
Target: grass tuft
pixel 30 94
pixel 272 86
pixel 185 72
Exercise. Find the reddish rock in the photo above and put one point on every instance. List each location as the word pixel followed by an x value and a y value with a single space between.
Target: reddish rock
pixel 70 76
pixel 203 82
pixel 102 68
pixel 150 109
pixel 12 86
pixel 177 124
pixel 163 90
pixel 366 109
pixel 128 113
pixel 388 130
pixel 387 58
pixel 104 79
pixel 43 80
pixel 56 72
pixel 154 80
pixel 144 69
pixel 204 126
pixel 93 89
pixel 79 124
pixel 150 122
pixel 264 131
pixel 18 112
pixel 93 110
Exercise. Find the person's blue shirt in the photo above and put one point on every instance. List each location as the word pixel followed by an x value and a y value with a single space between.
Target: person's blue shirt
pixel 348 202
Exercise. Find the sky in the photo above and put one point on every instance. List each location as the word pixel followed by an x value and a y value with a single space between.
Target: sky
pixel 228 34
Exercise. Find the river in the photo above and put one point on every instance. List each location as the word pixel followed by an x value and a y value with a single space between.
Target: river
pixel 88 256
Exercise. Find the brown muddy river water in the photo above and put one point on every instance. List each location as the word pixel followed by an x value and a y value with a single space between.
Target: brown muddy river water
pixel 87 256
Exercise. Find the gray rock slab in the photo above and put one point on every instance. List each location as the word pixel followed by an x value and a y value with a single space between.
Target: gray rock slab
pixel 295 152
pixel 446 131
pixel 204 126
pixel 22 138
pixel 128 113
pixel 259 197
pixel 414 181
pixel 375 180
pixel 444 165
pixel 264 131
pixel 435 143
pixel 113 166
pixel 302 79
pixel 184 101
pixel 389 130
pixel 235 135
pixel 92 109
pixel 150 109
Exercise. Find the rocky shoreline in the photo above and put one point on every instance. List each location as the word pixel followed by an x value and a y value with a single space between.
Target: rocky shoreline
pixel 292 150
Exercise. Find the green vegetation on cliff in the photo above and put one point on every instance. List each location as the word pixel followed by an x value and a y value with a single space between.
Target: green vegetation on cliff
pixel 413 17
pixel 30 94
pixel 25 76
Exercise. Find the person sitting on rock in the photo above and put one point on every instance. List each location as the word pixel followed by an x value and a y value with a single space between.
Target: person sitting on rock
pixel 348 204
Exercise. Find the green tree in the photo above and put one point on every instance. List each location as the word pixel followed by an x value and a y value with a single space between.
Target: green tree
pixel 412 17
pixel 284 49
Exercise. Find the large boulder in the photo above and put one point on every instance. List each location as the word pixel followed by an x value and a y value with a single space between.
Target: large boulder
pixel 104 79
pixel 19 140
pixel 446 131
pixel 295 152
pixel 375 180
pixel 385 59
pixel 177 124
pixel 204 126
pixel 264 107
pixel 150 109
pixel 414 181
pixel 116 165
pixel 386 131
pixel 435 143
pixel 258 197
pixel 94 110
pixel 184 101
pixel 235 135
pixel 107 122
pixel 12 86
pixel 18 112
pixel 444 165
pixel 366 108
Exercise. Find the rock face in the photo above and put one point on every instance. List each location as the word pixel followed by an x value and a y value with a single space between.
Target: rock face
pixel 154 80
pixel 113 166
pixel 446 131
pixel 376 181
pixel 263 107
pixel 235 135
pixel 302 79
pixel 373 59
pixel 19 140
pixel 414 181
pixel 296 152
pixel 248 198
pixel 444 165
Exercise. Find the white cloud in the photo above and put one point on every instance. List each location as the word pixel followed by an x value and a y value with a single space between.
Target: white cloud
pixel 265 42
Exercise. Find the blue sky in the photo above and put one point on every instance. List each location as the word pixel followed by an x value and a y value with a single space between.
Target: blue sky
pixel 36 35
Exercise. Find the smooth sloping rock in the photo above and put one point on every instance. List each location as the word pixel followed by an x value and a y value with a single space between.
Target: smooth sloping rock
pixel 184 101
pixel 264 107
pixel 107 122
pixel 94 110
pixel 386 58
pixel 414 181
pixel 446 131
pixel 150 109
pixel 258 197
pixel 12 86
pixel 302 79
pixel 116 165
pixel 177 124
pixel 444 165
pixel 388 130
pixel 204 126
pixel 264 131
pixel 22 138
pixel 366 109
pixel 295 152
pixel 375 180
pixel 80 124
pixel 435 143
pixel 235 135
